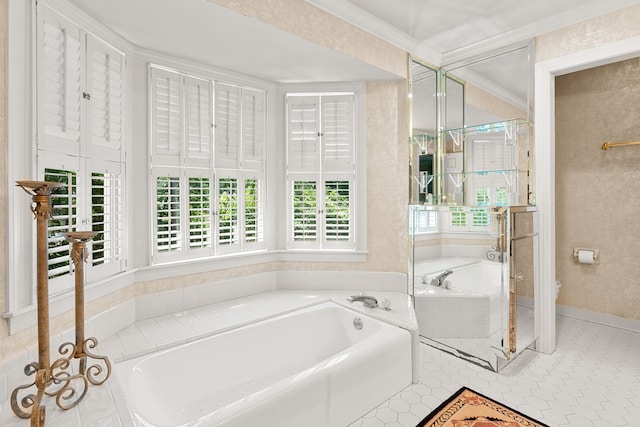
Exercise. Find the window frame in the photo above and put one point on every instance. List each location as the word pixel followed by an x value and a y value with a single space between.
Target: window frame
pixel 233 124
pixel 356 249
pixel 24 160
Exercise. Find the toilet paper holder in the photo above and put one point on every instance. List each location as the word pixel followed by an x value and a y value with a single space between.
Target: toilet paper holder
pixel 595 255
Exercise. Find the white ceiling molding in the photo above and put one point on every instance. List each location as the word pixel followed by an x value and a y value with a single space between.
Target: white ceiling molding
pixel 530 31
pixel 359 18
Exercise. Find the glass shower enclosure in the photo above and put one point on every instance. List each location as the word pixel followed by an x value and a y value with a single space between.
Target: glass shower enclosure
pixel 472 279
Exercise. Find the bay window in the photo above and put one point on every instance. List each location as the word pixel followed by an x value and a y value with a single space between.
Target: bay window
pixel 207 166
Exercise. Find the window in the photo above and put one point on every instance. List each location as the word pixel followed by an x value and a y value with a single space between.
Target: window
pixel 207 162
pixel 423 220
pixel 494 169
pixel 321 170
pixel 469 219
pixel 80 142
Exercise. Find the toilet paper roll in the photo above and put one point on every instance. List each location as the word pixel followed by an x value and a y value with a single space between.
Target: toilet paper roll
pixel 585 257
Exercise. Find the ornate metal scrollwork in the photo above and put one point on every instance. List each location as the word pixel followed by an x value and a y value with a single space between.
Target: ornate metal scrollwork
pixel 58 379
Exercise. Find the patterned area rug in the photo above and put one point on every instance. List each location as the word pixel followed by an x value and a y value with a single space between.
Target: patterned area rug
pixel 467 408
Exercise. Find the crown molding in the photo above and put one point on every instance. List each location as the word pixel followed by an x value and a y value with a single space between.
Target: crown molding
pixel 365 21
pixel 348 12
pixel 530 31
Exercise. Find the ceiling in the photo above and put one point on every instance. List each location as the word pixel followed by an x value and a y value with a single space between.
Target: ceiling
pixel 208 34
pixel 447 31
pixel 444 33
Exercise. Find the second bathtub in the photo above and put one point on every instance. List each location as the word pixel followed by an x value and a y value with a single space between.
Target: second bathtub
pixel 467 305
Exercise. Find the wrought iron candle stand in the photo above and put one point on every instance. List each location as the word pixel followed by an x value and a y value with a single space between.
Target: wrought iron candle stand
pixel 81 349
pixel 55 379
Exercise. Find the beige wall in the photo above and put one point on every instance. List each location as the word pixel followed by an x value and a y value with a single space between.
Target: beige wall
pixel 598 192
pixel 387 133
pixel 299 18
pixel 594 204
pixel 3 165
pixel 604 29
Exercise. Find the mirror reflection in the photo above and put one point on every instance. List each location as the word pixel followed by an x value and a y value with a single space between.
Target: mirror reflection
pixel 472 185
pixel 423 91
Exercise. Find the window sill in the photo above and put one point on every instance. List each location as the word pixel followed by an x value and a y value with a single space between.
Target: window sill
pixel 314 255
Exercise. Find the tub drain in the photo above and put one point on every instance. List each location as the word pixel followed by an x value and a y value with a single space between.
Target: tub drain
pixel 357 323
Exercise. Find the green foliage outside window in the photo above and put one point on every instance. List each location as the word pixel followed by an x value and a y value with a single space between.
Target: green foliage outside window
pixel 304 211
pixel 228 211
pixel 63 200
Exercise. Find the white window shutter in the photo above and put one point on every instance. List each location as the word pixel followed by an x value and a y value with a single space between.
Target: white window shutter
pixel 227 214
pixel 338 138
pixel 67 210
pixel 492 154
pixel 166 117
pixel 304 213
pixel 107 218
pixel 60 82
pixel 198 121
pixel 338 218
pixel 167 219
pixel 105 80
pixel 253 129
pixel 253 211
pixel 227 126
pixel 200 204
pixel 303 140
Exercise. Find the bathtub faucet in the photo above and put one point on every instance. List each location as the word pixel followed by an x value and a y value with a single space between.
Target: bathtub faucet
pixel 439 279
pixel 367 301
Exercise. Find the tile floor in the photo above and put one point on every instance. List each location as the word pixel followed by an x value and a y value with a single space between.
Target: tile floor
pixel 592 379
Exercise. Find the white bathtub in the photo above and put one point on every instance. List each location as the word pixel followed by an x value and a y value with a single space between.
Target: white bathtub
pixel 310 367
pixel 470 308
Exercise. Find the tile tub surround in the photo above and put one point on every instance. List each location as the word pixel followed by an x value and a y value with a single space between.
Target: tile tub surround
pixel 105 405
pixel 469 309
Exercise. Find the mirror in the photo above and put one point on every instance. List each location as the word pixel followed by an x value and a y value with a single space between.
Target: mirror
pixel 460 113
pixel 423 93
pixel 472 219
pixel 498 85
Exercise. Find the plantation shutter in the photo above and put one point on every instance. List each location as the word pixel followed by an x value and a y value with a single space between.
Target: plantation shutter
pixel 166 117
pixel 493 164
pixel 253 215
pixel 253 129
pixel 168 221
pixel 64 200
pixel 338 133
pixel 492 155
pixel 304 213
pixel 199 121
pixel 303 134
pixel 59 83
pixel 107 218
pixel 227 214
pixel 105 79
pixel 227 126
pixel 200 211
pixel 337 212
